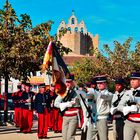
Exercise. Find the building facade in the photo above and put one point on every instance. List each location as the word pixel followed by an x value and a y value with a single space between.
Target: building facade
pixel 77 38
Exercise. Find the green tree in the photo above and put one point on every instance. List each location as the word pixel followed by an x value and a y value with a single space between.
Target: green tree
pixel 22 47
pixel 14 40
pixel 120 59
pixel 119 62
pixel 15 46
pixel 136 57
pixel 83 70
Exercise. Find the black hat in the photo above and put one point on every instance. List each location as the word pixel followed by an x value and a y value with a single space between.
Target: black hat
pixel 70 77
pixel 28 84
pixel 135 75
pixel 101 78
pixel 93 81
pixel 81 85
pixel 88 84
pixel 42 85
pixel 119 81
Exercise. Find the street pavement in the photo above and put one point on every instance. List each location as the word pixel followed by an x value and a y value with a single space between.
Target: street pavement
pixel 11 133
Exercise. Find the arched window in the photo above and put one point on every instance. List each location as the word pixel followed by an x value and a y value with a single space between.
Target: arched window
pixel 82 30
pixel 62 28
pixel 69 29
pixel 72 21
pixel 76 29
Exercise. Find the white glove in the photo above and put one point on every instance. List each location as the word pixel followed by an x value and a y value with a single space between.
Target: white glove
pixel 85 124
pixel 128 109
pixel 63 106
pixel 113 110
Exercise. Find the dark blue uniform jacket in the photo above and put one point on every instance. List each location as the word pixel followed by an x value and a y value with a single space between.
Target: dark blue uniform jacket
pixel 26 96
pixel 42 101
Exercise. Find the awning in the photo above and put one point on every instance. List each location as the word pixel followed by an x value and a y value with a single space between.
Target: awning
pixel 36 80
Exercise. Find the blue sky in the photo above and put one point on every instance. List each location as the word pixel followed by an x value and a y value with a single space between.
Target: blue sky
pixel 111 19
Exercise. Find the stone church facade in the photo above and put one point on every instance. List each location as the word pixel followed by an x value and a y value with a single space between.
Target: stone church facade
pixel 77 38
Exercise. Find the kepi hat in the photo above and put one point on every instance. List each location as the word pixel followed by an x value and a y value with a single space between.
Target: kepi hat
pixel 135 75
pixel 42 85
pixel 101 79
pixel 119 81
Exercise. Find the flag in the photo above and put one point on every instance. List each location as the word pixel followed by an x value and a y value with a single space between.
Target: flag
pixel 60 71
pixel 59 68
pixel 59 59
pixel 47 58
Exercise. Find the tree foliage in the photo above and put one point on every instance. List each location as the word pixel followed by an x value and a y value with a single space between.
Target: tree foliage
pixel 22 47
pixel 119 62
pixel 136 57
pixel 83 71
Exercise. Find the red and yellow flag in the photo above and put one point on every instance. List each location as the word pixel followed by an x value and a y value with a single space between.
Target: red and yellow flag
pixel 47 58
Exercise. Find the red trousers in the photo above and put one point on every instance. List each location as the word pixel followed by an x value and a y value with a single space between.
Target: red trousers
pixel 43 124
pixel 81 117
pixel 51 119
pixel 27 120
pixel 57 120
pixel 17 116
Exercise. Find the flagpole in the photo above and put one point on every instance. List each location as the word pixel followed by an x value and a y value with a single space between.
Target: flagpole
pixel 50 40
pixel 53 78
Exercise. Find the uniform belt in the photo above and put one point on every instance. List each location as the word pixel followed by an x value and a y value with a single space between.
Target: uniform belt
pixel 27 103
pixel 72 112
pixel 117 116
pixel 134 117
pixel 102 117
pixel 70 115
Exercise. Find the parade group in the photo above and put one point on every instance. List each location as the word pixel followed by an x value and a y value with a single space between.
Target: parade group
pixel 86 106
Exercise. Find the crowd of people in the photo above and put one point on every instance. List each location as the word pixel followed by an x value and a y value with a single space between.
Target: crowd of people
pixel 86 106
pixel 27 104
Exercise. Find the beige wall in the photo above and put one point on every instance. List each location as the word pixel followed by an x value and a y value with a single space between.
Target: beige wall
pixel 72 41
pixel 78 42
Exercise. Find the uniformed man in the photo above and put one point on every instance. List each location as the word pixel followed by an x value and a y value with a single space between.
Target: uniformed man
pixel 17 109
pixel 81 87
pixel 57 117
pixel 92 104
pixel 51 113
pixel 42 107
pixel 116 111
pixel 27 109
pixel 20 102
pixel 132 108
pixel 0 108
pixel 69 108
pixel 103 101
